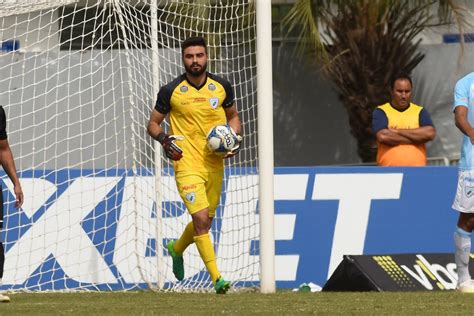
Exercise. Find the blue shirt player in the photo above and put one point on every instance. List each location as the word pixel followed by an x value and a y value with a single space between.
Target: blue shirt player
pixel 464 200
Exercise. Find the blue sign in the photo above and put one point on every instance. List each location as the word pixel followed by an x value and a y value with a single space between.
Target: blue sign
pixel 367 210
pixel 93 228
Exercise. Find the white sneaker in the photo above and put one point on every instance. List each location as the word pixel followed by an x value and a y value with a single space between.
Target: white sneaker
pixel 4 299
pixel 466 287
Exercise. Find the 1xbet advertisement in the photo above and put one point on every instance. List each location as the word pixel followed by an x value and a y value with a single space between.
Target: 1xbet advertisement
pixel 321 214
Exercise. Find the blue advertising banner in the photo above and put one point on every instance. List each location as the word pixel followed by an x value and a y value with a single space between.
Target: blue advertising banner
pixel 321 214
pixel 371 210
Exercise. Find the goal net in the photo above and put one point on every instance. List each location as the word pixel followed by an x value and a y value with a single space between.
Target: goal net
pixel 79 79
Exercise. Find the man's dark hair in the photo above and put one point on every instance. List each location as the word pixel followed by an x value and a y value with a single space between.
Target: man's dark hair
pixel 400 76
pixel 193 41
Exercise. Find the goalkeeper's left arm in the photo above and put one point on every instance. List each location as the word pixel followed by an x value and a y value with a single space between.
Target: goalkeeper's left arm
pixel 233 121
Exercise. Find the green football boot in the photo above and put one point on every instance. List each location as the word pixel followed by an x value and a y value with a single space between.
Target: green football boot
pixel 178 264
pixel 222 286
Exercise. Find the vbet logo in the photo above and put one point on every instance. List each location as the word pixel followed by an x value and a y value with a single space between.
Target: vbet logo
pixel 443 276
pixel 84 227
pixel 416 271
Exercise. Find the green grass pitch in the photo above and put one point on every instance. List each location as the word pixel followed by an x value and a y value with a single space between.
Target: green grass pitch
pixel 281 303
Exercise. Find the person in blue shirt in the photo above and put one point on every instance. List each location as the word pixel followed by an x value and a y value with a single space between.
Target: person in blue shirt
pixel 464 199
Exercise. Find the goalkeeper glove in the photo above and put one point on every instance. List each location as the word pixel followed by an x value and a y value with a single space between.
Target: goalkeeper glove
pixel 168 142
pixel 236 147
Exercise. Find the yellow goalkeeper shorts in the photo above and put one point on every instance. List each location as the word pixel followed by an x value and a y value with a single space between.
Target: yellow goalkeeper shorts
pixel 200 190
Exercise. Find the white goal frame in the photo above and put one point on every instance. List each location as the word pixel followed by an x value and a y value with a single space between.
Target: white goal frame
pixel 265 146
pixel 77 94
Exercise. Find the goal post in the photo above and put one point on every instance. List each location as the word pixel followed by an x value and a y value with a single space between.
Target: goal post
pixel 100 200
pixel 265 148
pixel 157 147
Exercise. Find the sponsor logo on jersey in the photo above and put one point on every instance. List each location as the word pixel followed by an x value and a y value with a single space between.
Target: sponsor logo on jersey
pixel 214 102
pixel 191 197
pixel 188 187
pixel 468 179
pixel 183 89
pixel 211 87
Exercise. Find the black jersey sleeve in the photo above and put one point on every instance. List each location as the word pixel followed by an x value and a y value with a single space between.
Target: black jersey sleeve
pixel 3 124
pixel 163 100
pixel 229 91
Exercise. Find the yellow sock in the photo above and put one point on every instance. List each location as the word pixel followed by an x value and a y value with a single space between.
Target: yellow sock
pixel 185 240
pixel 204 246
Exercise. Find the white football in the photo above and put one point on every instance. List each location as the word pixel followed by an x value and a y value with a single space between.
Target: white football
pixel 221 139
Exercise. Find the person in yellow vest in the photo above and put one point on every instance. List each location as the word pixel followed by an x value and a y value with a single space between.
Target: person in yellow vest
pixel 401 127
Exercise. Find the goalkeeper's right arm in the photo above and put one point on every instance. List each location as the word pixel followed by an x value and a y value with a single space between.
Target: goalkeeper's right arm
pixel 168 142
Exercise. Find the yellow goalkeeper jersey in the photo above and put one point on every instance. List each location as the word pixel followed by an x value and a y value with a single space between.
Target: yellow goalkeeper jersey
pixel 193 111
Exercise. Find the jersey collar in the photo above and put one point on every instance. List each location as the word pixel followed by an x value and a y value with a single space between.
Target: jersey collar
pixel 409 104
pixel 192 85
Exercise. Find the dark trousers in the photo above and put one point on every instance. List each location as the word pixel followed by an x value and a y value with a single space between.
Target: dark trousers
pixel 2 252
pixel 2 260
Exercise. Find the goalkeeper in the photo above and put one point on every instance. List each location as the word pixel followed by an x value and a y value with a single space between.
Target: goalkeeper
pixel 6 159
pixel 196 101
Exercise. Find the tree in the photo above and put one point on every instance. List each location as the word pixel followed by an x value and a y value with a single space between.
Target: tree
pixel 361 44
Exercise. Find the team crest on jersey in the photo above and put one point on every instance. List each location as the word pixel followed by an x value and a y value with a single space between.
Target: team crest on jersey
pixel 183 89
pixel 191 197
pixel 214 102
pixel 211 87
pixel 469 191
